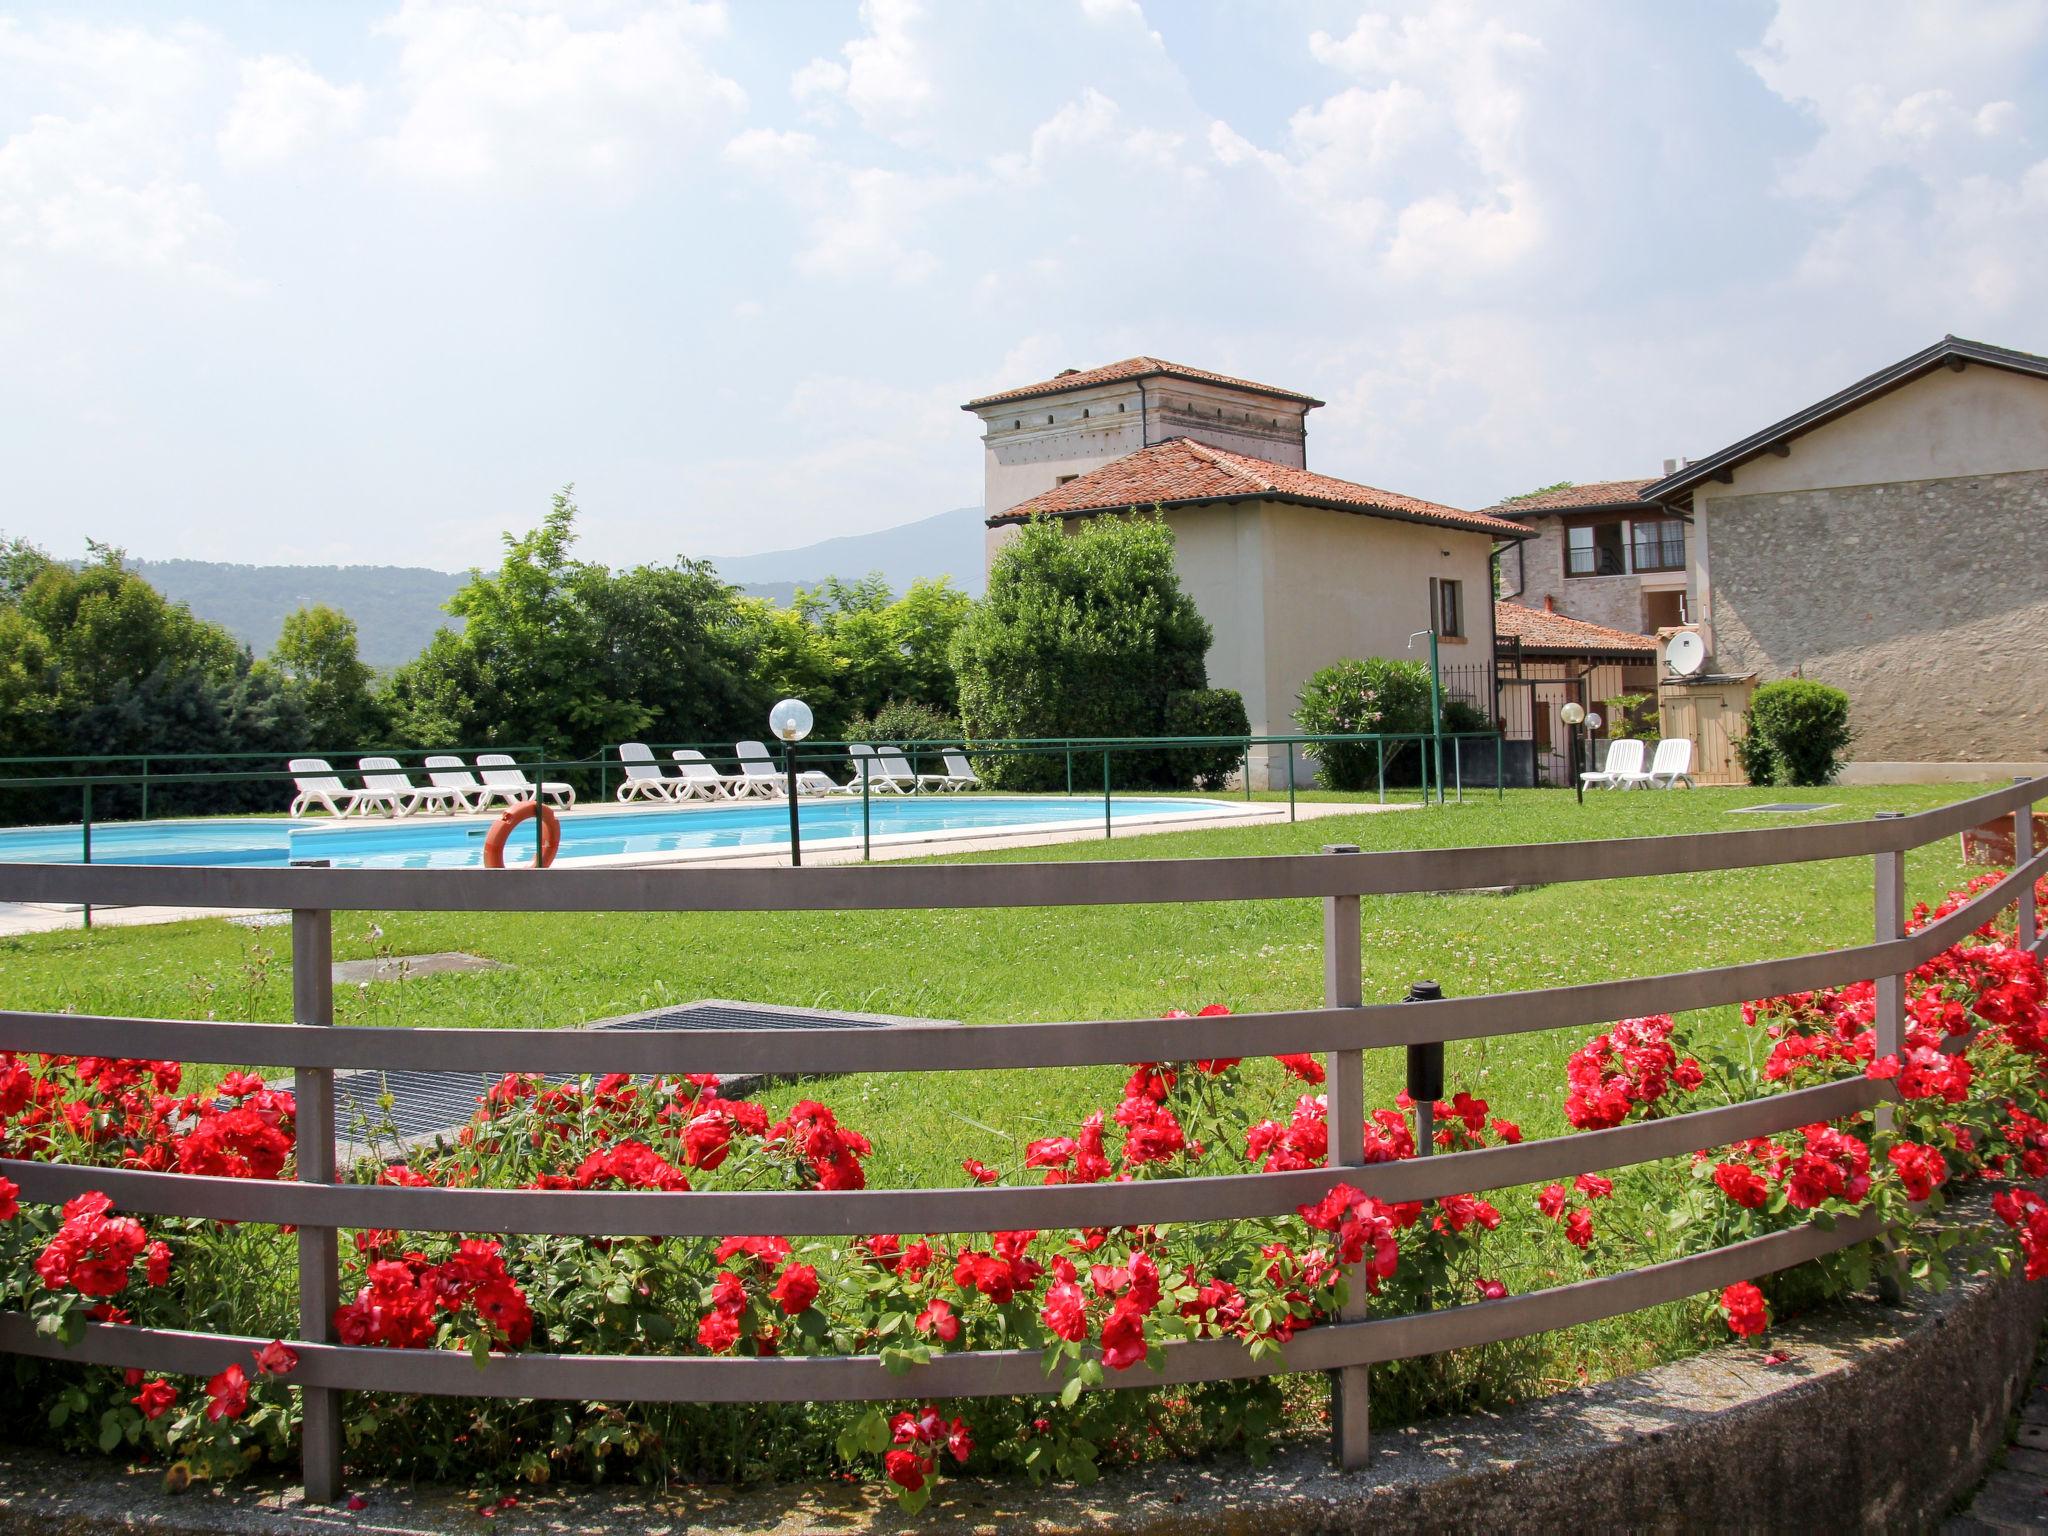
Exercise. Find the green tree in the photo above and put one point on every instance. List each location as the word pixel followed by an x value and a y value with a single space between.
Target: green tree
pixel 316 657
pixel 94 661
pixel 569 656
pixel 1083 634
pixel 887 648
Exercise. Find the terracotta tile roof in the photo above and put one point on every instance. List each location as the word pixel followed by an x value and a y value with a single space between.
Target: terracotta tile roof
pixel 1134 368
pixel 1576 498
pixel 1181 471
pixel 1542 631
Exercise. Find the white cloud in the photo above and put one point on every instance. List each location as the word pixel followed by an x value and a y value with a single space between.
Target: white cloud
pixel 283 109
pixel 1423 164
pixel 1909 86
pixel 503 91
pixel 861 221
pixel 1923 175
pixel 103 176
pixel 886 78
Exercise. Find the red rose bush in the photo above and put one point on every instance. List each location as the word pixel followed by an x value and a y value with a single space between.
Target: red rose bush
pixel 1100 1306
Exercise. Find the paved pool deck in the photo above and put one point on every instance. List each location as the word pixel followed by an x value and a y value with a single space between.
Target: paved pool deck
pixel 19 918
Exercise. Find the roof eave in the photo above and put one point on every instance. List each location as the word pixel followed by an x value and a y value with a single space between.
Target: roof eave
pixel 1395 514
pixel 1674 490
pixel 1054 387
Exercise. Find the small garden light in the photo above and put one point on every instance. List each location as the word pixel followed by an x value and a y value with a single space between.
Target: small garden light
pixel 790 722
pixel 1573 714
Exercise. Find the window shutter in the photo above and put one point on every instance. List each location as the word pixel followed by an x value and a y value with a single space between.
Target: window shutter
pixel 1436 611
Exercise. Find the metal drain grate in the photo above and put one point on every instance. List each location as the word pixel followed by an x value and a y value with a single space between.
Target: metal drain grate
pixel 429 1104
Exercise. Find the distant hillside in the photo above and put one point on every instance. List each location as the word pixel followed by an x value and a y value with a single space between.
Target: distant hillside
pixel 947 545
pixel 397 608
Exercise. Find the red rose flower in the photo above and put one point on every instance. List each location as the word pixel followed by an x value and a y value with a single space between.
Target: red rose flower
pixel 796 1289
pixel 1743 1305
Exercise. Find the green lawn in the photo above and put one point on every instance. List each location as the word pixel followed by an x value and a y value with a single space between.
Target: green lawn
pixel 993 966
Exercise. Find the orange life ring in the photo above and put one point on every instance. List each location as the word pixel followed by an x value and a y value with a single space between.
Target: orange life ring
pixel 507 824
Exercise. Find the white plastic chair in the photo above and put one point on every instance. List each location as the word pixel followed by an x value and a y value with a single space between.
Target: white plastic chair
pixel 960 773
pixel 895 764
pixel 699 780
pixel 385 780
pixel 452 774
pixel 1670 767
pixel 868 769
pixel 644 778
pixel 1624 762
pixel 764 776
pixel 318 784
pixel 505 779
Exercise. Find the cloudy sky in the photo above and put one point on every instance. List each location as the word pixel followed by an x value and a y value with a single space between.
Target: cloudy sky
pixel 364 282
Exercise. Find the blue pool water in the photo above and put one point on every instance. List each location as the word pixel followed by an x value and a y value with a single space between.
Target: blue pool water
pixel 431 842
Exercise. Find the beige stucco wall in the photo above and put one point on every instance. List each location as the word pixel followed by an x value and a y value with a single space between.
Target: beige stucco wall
pixel 1287 590
pixel 1891 554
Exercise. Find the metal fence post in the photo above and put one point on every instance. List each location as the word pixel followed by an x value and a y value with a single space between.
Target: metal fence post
pixel 1500 766
pixel 1425 1073
pixel 319 1258
pixel 2023 850
pixel 867 845
pixel 85 850
pixel 1344 987
pixel 1106 831
pixel 1290 777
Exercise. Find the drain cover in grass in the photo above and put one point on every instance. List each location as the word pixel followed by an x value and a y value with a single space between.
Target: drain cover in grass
pixel 426 1104
pixel 1784 807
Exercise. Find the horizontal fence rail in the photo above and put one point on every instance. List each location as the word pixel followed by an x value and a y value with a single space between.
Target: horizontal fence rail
pixel 319 1206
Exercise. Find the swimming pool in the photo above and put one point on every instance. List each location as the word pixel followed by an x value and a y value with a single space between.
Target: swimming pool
pixel 600 832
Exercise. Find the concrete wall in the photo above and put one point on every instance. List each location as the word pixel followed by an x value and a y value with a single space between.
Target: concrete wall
pixel 1894 554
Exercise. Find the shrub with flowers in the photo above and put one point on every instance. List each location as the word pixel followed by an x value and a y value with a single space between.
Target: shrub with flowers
pixel 1099 1305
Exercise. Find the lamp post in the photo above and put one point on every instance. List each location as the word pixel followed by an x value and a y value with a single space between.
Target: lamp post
pixel 1573 714
pixel 791 722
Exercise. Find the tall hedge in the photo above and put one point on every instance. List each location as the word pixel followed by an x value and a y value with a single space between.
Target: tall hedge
pixel 1082 634
pixel 1799 733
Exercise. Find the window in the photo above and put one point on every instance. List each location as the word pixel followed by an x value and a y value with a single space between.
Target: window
pixel 1447 608
pixel 1659 545
pixel 1595 549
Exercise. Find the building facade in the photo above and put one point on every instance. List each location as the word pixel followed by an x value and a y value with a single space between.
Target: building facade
pixel 1601 554
pixel 1885 540
pixel 1293 570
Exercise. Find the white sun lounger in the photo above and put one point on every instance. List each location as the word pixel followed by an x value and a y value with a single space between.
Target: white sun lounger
pixel 644 778
pixel 765 776
pixel 385 780
pixel 960 773
pixel 1624 762
pixel 894 762
pixel 1670 766
pixel 869 768
pixel 453 775
pixel 505 778
pixel 699 780
pixel 318 784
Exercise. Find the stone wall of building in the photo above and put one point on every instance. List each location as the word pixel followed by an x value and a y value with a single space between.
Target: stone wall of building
pixel 1616 601
pixel 1923 599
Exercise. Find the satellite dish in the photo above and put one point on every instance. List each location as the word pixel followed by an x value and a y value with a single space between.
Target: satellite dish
pixel 1685 653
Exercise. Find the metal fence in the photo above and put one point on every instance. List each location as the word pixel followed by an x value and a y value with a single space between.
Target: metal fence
pixel 1344 1028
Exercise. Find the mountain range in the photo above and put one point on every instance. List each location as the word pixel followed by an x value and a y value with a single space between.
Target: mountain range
pixel 397 608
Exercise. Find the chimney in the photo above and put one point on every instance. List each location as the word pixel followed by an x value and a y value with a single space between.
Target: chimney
pixel 1550 602
pixel 1670 467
